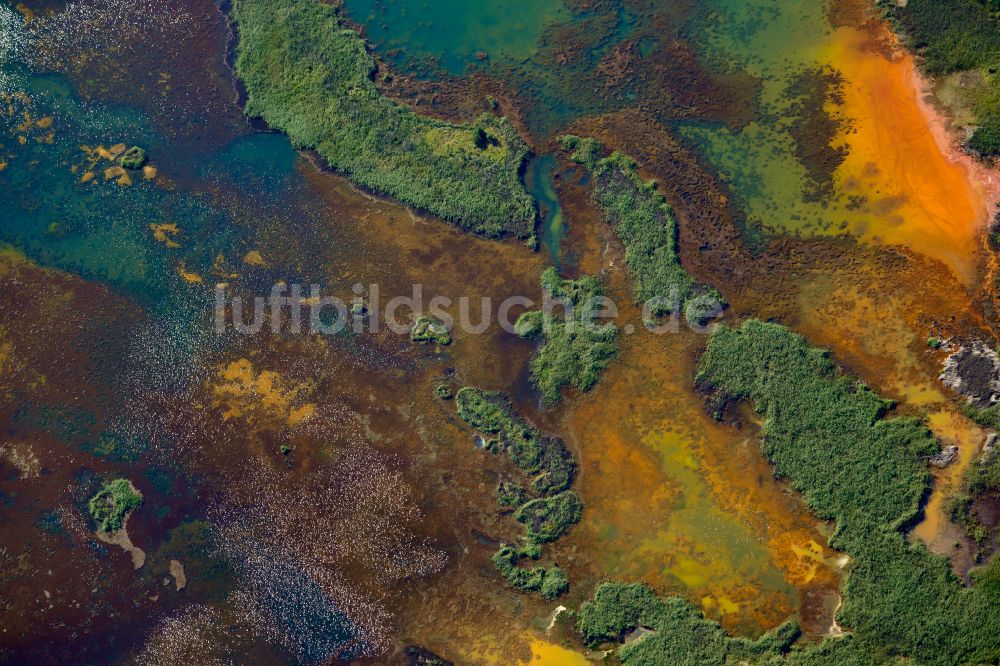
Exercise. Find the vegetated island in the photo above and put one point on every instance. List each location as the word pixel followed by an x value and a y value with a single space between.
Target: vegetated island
pixel 576 348
pixel 645 224
pixel 958 36
pixel 545 506
pixel 829 436
pixel 112 503
pixel 310 76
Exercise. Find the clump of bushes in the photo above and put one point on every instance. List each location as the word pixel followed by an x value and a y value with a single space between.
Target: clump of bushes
pixel 981 480
pixel 678 633
pixel 548 582
pixel 307 74
pixel 645 224
pixel 112 502
pixel 547 509
pixel 548 518
pixel 831 438
pixel 545 459
pixel 133 158
pixel 575 348
pixel 428 328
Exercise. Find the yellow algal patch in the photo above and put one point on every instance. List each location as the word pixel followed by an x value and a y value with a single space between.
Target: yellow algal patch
pixel 544 653
pixel 189 276
pixel 113 172
pixel 149 172
pixel 254 258
pixel 243 392
pixel 164 233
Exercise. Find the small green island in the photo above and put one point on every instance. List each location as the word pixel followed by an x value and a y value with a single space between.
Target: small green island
pixel 112 504
pixel 645 224
pixel 576 346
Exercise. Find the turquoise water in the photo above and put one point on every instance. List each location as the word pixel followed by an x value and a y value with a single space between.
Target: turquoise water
pixel 551 230
pixel 456 33
pixel 548 54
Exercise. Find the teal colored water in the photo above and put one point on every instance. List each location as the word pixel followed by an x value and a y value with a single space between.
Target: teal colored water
pixel 456 33
pixel 538 180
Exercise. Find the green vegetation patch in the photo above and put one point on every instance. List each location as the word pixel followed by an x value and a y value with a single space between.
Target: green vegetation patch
pixel 954 36
pixel 547 509
pixel 548 518
pixel 134 158
pixel 548 582
pixel 311 77
pixel 645 224
pixel 576 349
pixel 981 481
pixel 673 631
pixel 112 502
pixel 429 328
pixel 545 459
pixel 831 438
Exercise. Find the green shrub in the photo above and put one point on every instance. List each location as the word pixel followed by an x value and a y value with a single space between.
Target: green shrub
pixel 645 224
pixel 986 139
pixel 953 36
pixel 550 583
pixel 429 328
pixel 308 75
pixel 679 634
pixel 549 462
pixel 133 158
pixel 829 436
pixel 545 458
pixel 112 502
pixel 548 518
pixel 575 348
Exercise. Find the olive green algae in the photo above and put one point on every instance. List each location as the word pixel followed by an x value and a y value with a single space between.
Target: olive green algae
pixel 308 75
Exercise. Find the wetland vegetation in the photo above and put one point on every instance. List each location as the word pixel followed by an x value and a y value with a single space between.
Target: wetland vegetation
pixel 576 347
pixel 310 499
pixel 309 75
pixel 956 36
pixel 549 511
pixel 112 503
pixel 646 226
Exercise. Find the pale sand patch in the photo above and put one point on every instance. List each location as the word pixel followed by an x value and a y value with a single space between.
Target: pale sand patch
pixel 177 571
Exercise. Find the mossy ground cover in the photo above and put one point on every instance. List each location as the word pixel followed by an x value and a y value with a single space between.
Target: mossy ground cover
pixel 311 77
pixel 576 346
pixel 109 506
pixel 548 509
pixel 645 224
pixel 959 35
pixel 832 439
